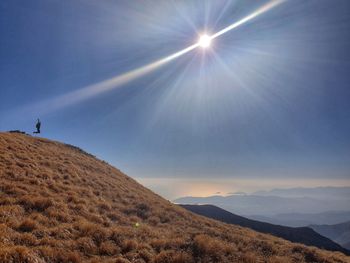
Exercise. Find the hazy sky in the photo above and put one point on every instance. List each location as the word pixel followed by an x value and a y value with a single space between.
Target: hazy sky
pixel 269 100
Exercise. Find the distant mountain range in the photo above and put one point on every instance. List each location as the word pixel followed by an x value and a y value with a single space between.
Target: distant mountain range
pixel 317 192
pixel 285 206
pixel 305 219
pixel 304 235
pixel 339 233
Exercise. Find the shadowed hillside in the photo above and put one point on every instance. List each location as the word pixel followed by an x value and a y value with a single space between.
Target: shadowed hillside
pixel 60 204
pixel 339 233
pixel 304 235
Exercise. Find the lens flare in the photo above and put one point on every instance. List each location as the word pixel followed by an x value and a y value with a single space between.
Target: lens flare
pixel 257 12
pixel 115 82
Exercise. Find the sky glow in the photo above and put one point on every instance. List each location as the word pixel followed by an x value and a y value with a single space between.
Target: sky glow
pixel 118 81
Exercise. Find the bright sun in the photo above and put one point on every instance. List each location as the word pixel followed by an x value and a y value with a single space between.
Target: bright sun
pixel 204 41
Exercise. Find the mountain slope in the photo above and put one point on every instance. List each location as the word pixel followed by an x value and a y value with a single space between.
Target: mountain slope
pixel 60 204
pixel 304 235
pixel 339 233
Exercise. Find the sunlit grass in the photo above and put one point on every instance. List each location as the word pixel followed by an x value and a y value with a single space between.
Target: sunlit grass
pixel 60 204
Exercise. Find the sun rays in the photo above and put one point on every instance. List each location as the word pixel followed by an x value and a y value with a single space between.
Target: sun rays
pixel 119 81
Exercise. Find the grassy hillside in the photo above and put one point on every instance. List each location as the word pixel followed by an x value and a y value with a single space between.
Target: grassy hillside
pixel 60 204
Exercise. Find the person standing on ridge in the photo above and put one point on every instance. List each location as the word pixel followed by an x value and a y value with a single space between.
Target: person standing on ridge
pixel 37 126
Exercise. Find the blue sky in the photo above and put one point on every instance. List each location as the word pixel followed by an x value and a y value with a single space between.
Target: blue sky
pixel 268 100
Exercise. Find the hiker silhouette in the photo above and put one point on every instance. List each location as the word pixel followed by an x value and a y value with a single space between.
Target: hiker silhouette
pixel 37 126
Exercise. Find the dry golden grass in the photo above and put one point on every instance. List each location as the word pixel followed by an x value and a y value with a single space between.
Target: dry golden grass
pixel 60 204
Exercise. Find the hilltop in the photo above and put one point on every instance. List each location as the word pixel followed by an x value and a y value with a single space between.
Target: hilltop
pixel 61 204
